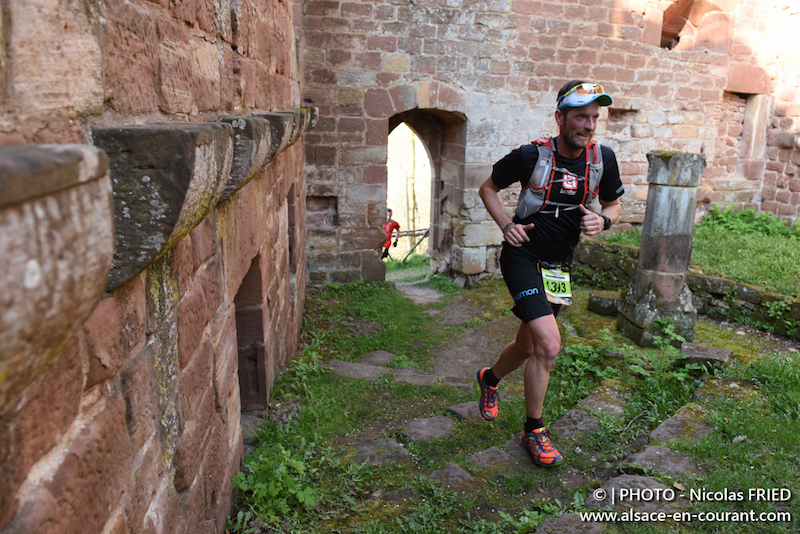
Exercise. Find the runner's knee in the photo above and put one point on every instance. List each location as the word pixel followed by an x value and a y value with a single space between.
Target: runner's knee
pixel 547 350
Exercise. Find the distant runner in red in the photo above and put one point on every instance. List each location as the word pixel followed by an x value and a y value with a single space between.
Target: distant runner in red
pixel 388 228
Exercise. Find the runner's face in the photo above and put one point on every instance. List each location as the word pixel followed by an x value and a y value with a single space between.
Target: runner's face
pixel 577 128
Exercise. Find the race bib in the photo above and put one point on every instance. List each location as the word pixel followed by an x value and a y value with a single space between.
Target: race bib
pixel 557 286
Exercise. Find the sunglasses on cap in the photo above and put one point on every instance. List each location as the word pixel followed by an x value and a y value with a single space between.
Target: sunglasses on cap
pixel 584 89
pixel 580 93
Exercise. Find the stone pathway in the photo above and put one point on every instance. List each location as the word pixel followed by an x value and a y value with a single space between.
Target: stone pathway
pixel 456 364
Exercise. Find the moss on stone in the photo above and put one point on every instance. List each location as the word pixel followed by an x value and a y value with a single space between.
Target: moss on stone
pixel 738 390
pixel 694 411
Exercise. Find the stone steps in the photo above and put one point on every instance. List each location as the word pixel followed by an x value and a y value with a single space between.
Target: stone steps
pixel 456 363
pixel 608 399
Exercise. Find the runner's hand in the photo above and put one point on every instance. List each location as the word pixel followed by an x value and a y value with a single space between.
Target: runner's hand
pixel 517 234
pixel 591 223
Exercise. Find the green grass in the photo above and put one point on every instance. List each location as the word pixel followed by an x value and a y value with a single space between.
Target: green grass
pixel 745 246
pixel 414 261
pixel 755 444
pixel 301 478
pixel 347 321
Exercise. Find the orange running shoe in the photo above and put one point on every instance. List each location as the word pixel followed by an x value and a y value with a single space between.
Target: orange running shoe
pixel 488 402
pixel 542 451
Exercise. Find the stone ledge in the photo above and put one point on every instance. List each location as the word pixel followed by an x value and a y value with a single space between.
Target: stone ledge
pixel 252 142
pixel 56 246
pixel 33 171
pixel 286 127
pixel 166 178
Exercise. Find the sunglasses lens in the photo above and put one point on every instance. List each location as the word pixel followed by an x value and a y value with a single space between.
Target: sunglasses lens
pixel 589 89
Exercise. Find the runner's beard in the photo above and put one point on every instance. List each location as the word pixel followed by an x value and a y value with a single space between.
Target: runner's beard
pixel 572 140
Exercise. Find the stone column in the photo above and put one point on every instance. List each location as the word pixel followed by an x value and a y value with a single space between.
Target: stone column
pixel 658 291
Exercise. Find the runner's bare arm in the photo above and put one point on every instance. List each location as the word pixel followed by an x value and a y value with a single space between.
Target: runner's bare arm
pixel 516 234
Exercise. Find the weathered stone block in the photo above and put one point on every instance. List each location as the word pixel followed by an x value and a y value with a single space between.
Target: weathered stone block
pixel 192 314
pixel 166 178
pixel 114 328
pixel 54 46
pixel 216 476
pixel 480 234
pixel 174 67
pixel 604 302
pixel 192 510
pixel 693 353
pixel 204 244
pixel 660 460
pixel 469 260
pixel 145 483
pixel 55 211
pixel 193 440
pixel 140 390
pixel 36 423
pixel 361 238
pixel 98 455
pixel 639 315
pixel 666 252
pixel 675 169
pixel 747 78
pixel 286 127
pixel 195 379
pixel 130 32
pixel 252 143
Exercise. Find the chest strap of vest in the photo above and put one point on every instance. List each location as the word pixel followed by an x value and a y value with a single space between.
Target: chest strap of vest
pixel 544 176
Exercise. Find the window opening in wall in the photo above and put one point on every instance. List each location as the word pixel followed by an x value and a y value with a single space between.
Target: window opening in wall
pixel 730 126
pixel 408 192
pixel 739 163
pixel 249 302
pixel 322 212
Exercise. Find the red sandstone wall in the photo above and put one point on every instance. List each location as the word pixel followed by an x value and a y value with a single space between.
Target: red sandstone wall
pixel 135 425
pixel 496 65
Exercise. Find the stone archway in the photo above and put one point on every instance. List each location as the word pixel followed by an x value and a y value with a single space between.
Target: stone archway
pixel 347 175
pixel 442 133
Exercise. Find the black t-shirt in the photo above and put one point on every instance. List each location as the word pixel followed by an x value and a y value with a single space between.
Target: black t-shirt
pixel 554 238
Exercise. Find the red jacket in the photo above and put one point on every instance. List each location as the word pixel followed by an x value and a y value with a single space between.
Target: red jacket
pixel 388 228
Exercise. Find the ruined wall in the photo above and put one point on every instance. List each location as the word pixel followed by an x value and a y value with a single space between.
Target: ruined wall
pixel 152 254
pixel 488 71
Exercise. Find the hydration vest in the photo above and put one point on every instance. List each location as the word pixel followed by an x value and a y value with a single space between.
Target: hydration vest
pixel 535 196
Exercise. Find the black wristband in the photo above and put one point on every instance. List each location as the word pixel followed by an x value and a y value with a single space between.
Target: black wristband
pixel 506 227
pixel 607 223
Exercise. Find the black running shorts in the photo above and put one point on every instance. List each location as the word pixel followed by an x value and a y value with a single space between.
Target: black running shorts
pixel 524 280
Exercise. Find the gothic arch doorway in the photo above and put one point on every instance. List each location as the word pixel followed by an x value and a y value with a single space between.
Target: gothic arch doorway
pixel 442 134
pixel 408 191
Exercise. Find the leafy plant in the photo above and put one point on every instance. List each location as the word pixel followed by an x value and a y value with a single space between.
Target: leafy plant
pixel 442 283
pixel 403 361
pixel 667 383
pixel 241 523
pixel 529 518
pixel 276 481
